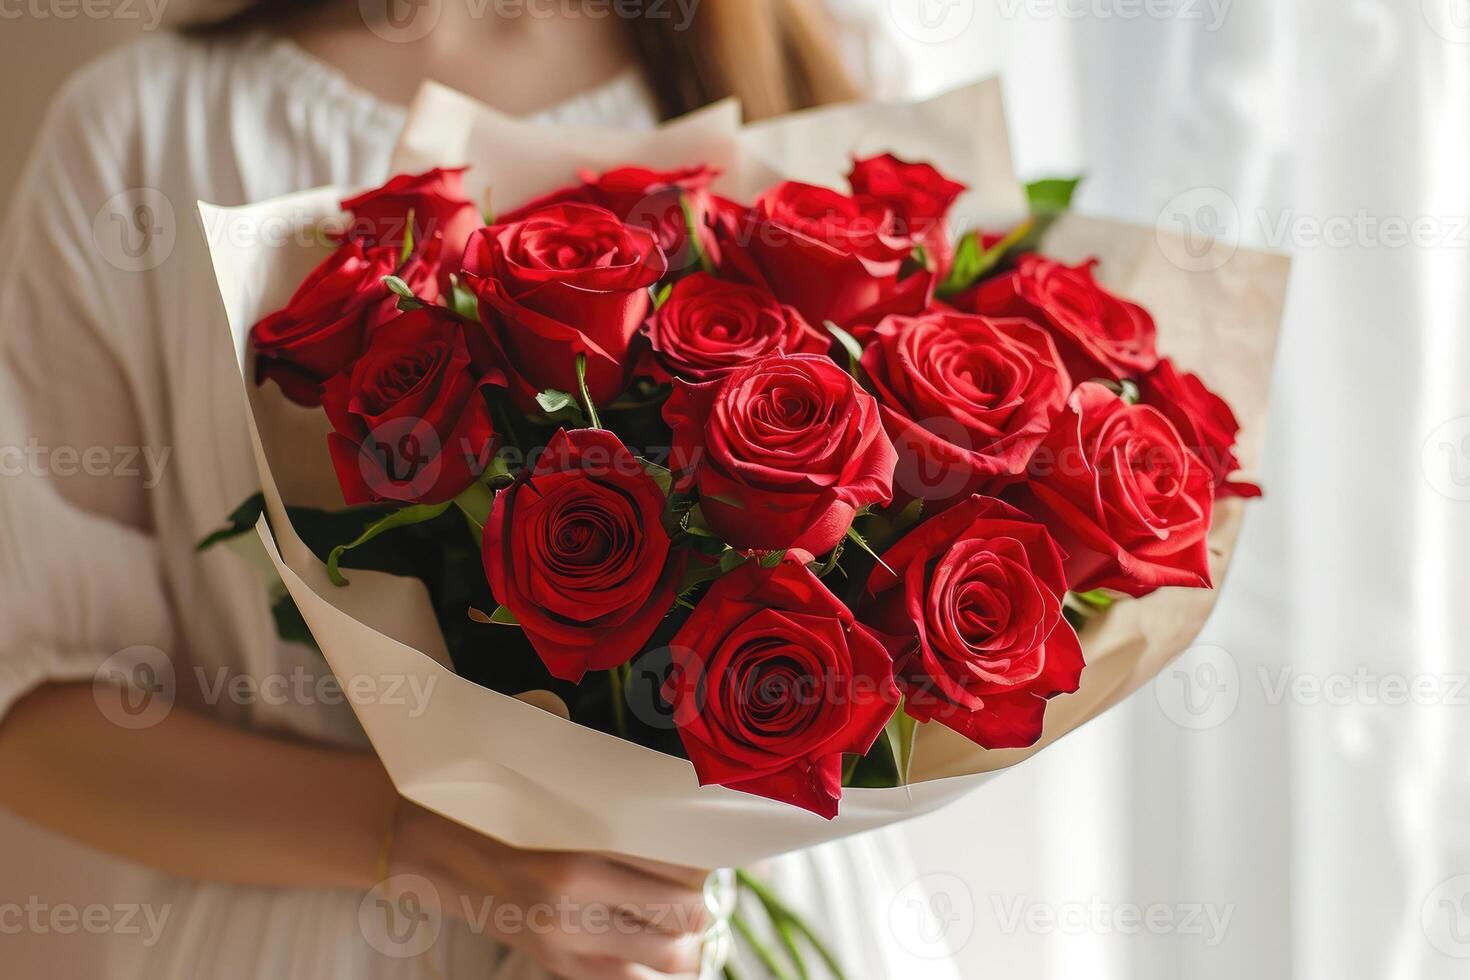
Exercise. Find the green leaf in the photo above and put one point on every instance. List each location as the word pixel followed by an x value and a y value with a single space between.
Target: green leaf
pixel 1091 603
pixel 973 263
pixel 861 542
pixel 502 616
pixel 498 471
pixel 242 520
pixel 660 475
pixel 693 524
pixel 476 502
pixel 290 625
pixel 407 301
pixel 851 346
pixel 661 294
pixel 407 239
pixel 910 515
pixel 900 734
pixel 1097 597
pixel 403 518
pixel 553 401
pixel 462 301
pixel 730 559
pixel 825 568
pixel 772 558
pixel 1052 196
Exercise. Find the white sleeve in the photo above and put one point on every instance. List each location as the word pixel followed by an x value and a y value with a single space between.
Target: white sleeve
pixel 80 570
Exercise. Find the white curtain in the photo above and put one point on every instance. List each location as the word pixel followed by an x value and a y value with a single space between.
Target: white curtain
pixel 1307 812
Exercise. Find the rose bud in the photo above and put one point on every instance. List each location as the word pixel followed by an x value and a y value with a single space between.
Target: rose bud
pixel 1124 497
pixel 965 399
pixel 831 256
pixel 651 199
pixel 783 452
pixel 975 594
pixel 1098 334
pixel 410 416
pixel 708 326
pixel 436 200
pixel 774 682
pixel 572 279
pixel 920 196
pixel 576 549
pixel 1203 419
pixel 327 321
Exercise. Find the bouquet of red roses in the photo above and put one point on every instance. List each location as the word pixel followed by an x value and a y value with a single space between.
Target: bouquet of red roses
pixel 795 487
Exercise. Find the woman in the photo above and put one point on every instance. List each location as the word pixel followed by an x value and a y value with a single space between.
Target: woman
pixel 267 818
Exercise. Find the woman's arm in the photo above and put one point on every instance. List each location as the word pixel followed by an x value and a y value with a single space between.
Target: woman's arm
pixel 195 797
pixel 199 798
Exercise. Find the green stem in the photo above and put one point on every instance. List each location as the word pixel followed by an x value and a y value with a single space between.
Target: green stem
pixel 586 396
pixel 778 909
pixel 763 952
pixel 788 939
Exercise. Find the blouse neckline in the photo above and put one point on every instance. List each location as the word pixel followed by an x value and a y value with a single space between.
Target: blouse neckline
pixel 626 88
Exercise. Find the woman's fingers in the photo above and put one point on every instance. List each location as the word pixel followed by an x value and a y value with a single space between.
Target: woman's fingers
pixel 601 968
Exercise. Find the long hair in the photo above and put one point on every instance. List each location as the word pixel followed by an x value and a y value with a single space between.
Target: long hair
pixel 774 55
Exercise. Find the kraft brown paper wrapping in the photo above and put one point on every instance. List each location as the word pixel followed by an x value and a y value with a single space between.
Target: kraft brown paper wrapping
pixel 533 779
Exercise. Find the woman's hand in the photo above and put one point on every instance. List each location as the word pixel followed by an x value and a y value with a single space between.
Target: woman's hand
pixel 580 916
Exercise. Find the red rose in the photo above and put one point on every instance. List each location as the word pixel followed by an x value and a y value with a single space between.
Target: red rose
pixel 1099 335
pixel 831 256
pixel 1122 495
pixel 774 682
pixel 436 199
pixel 708 327
pixel 577 550
pixel 651 199
pixel 323 327
pixel 919 195
pixel 410 417
pixel 784 452
pixel 965 399
pixel 1204 420
pixel 572 279
pixel 976 593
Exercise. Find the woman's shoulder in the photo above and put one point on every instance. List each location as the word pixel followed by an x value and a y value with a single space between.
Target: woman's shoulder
pixel 222 115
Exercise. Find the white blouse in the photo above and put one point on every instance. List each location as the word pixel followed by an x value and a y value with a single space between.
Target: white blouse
pixel 123 442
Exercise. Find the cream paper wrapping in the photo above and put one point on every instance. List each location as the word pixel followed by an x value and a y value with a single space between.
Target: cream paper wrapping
pixel 530 777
